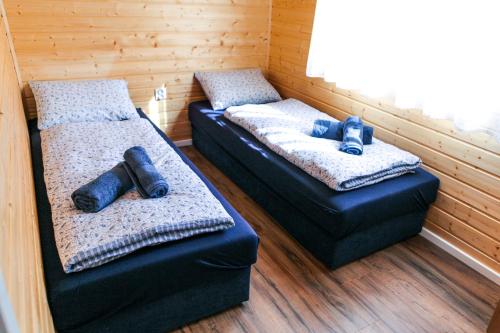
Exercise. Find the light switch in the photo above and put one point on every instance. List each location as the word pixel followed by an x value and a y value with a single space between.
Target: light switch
pixel 161 93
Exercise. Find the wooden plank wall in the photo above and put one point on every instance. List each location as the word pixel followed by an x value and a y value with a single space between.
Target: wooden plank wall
pixel 149 43
pixel 467 211
pixel 20 258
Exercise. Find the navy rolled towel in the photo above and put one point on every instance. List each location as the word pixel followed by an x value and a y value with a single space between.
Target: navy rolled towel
pixel 353 136
pixel 334 130
pixel 367 135
pixel 103 190
pixel 149 182
pixel 327 129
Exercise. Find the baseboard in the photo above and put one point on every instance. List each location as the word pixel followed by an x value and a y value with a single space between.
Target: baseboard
pixel 183 143
pixel 461 255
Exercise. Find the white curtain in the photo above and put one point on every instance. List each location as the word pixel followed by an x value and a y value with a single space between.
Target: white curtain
pixel 441 56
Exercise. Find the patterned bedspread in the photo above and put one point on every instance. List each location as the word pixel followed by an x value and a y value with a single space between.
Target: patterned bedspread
pixel 76 153
pixel 286 126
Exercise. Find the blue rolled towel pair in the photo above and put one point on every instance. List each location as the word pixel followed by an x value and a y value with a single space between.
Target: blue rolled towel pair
pixel 334 130
pixel 352 142
pixel 138 170
pixel 103 190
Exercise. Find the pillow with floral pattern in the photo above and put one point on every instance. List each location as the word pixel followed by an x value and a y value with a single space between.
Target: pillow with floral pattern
pixel 60 102
pixel 237 87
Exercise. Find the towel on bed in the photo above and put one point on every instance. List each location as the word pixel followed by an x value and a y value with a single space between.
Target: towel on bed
pixel 334 130
pixel 100 192
pixel 352 142
pixel 140 168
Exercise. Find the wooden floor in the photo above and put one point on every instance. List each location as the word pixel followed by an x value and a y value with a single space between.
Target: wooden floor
pixel 410 287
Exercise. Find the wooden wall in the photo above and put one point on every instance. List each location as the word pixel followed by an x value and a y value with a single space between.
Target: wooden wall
pixel 149 43
pixel 467 211
pixel 20 260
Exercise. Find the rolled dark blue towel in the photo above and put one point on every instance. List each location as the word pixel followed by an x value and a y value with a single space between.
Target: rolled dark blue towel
pixel 334 130
pixel 149 182
pixel 367 135
pixel 353 136
pixel 103 190
pixel 328 129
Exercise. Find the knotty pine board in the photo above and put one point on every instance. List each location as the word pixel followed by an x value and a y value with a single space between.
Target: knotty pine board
pixel 148 43
pixel 20 254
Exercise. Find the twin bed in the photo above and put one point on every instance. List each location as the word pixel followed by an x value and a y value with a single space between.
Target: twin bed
pixel 154 289
pixel 102 272
pixel 336 226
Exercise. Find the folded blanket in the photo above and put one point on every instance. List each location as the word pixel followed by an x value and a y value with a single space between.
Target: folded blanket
pixel 285 127
pixel 75 153
pixel 103 190
pixel 140 168
pixel 334 130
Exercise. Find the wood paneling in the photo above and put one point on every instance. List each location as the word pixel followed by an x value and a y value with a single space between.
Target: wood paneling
pixel 148 43
pixel 409 287
pixel 20 258
pixel 467 211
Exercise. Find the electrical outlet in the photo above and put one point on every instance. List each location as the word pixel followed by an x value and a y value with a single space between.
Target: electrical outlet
pixel 161 94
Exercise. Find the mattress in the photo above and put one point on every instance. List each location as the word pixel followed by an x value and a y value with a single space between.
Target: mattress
pixel 144 277
pixel 337 213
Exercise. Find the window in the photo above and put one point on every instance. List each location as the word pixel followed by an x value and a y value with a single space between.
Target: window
pixel 440 56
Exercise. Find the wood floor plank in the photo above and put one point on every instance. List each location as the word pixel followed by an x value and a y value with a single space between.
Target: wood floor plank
pixel 410 287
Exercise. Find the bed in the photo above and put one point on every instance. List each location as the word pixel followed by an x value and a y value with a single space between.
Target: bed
pixel 336 227
pixel 154 289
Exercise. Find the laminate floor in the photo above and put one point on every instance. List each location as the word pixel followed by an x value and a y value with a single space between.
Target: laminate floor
pixel 410 287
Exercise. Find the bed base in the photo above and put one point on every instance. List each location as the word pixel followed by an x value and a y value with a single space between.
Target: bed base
pixel 332 252
pixel 214 295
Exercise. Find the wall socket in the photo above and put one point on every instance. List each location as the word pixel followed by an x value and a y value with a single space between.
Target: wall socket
pixel 161 94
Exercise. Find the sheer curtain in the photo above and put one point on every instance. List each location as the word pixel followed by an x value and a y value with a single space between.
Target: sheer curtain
pixel 441 56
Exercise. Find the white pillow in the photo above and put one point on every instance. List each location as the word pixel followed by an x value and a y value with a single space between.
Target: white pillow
pixel 238 87
pixel 60 102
